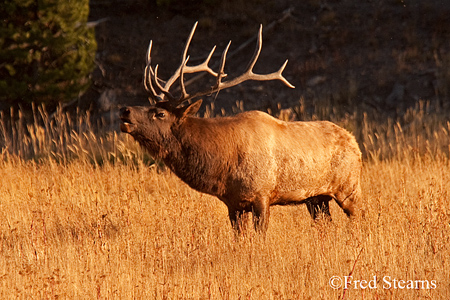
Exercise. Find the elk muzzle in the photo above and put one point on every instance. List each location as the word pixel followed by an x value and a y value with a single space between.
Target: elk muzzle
pixel 127 123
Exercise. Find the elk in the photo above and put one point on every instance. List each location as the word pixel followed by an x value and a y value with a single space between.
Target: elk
pixel 249 161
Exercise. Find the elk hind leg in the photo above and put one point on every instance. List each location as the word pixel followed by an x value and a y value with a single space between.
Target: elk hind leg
pixel 319 206
pixel 347 201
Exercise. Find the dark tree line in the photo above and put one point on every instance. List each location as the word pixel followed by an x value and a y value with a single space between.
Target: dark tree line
pixel 47 51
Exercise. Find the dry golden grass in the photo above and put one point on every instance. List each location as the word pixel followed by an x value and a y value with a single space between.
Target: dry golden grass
pixel 123 230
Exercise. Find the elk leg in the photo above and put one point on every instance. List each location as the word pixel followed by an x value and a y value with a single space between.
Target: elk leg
pixel 238 219
pixel 319 205
pixel 347 201
pixel 261 214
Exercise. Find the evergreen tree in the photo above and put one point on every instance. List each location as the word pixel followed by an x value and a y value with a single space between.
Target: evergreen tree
pixel 46 50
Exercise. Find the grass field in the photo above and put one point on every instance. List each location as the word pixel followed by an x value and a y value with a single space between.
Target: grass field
pixel 88 218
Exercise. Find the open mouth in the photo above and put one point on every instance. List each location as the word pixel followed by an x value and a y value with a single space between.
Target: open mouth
pixel 126 125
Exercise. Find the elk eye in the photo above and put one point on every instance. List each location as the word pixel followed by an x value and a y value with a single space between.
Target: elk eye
pixel 160 115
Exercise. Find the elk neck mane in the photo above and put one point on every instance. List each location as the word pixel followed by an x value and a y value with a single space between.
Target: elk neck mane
pixel 204 153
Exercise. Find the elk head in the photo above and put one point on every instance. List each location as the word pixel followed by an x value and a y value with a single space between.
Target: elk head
pixel 152 126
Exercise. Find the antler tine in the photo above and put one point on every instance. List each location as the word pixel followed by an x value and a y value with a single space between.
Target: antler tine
pixel 281 77
pixel 164 90
pixel 148 83
pixel 151 80
pixel 185 69
pixel 148 73
pixel 177 73
pixel 255 56
pixel 248 71
pixel 184 94
pixel 221 73
pixel 188 42
pixel 148 57
pixel 249 75
pixel 204 66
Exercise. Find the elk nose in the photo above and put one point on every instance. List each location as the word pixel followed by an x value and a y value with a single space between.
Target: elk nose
pixel 124 112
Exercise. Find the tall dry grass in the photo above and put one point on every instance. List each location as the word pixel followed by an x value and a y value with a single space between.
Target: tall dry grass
pixel 90 219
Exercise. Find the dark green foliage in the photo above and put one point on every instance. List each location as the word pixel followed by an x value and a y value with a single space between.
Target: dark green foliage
pixel 46 50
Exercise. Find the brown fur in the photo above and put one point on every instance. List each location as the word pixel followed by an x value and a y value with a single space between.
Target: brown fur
pixel 252 160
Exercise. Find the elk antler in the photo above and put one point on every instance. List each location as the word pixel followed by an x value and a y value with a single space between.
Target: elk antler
pixel 158 92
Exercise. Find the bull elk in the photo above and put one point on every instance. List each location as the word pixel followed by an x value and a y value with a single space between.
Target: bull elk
pixel 249 161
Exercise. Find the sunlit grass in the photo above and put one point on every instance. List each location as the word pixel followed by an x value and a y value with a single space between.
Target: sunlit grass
pixel 90 218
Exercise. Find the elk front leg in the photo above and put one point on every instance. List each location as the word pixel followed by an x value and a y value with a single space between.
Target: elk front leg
pixel 238 219
pixel 261 214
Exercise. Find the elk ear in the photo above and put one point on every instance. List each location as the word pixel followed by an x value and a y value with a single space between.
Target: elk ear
pixel 191 109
